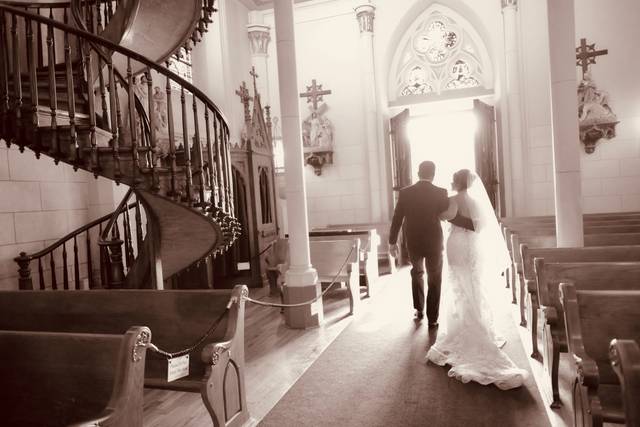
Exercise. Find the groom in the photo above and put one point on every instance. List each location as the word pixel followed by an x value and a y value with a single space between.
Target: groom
pixel 419 206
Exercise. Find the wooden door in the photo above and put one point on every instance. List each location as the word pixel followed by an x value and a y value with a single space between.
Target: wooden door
pixel 400 168
pixel 485 149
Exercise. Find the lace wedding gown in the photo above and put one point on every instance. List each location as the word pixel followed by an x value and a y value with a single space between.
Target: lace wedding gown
pixel 466 339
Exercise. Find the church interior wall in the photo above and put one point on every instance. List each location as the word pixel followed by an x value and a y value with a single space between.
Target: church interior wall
pixel 610 175
pixel 327 50
pixel 40 203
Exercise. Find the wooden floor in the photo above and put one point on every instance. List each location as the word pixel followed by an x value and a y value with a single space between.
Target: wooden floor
pixel 276 356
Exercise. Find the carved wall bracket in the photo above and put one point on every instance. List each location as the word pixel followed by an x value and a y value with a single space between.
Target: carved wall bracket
pixel 318 159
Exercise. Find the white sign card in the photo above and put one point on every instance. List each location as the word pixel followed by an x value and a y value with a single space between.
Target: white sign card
pixel 177 367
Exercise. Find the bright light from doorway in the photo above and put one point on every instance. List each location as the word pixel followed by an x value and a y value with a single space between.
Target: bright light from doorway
pixel 447 139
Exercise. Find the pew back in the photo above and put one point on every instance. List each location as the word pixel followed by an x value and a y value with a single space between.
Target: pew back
pixel 585 276
pixel 177 318
pixel 334 257
pixel 57 379
pixel 584 254
pixel 594 318
pixel 625 360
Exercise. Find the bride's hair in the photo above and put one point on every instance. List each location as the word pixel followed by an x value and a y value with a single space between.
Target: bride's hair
pixel 462 179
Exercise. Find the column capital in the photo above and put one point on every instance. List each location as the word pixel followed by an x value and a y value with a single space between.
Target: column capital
pixel 509 3
pixel 365 14
pixel 259 38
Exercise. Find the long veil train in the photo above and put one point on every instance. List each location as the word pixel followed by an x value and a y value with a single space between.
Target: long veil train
pixel 474 260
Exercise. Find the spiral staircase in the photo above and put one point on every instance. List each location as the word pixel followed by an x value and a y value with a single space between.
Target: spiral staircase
pixel 73 89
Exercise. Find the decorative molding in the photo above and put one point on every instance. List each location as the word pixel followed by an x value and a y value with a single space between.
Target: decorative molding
pixel 259 38
pixel 509 3
pixel 365 14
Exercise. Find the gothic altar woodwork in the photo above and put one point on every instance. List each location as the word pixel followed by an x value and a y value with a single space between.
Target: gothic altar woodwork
pixel 595 116
pixel 317 130
pixel 253 181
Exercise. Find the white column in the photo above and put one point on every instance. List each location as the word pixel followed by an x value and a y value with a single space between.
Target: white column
pixel 301 279
pixel 365 14
pixel 514 105
pixel 564 107
pixel 259 38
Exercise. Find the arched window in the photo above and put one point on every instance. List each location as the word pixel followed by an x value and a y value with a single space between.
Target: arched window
pixel 440 52
pixel 265 197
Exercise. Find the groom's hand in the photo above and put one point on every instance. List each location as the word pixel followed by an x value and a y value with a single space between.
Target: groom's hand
pixel 393 250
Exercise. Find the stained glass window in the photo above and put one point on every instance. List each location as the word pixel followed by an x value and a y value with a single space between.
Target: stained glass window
pixel 438 55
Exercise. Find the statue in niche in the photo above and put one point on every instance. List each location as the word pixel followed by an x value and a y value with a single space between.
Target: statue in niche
pixel 317 132
pixel 593 103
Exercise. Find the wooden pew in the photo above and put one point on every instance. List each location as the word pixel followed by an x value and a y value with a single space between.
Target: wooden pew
pixel 625 360
pixel 593 319
pixel 61 379
pixel 586 217
pixel 386 263
pixel 179 319
pixel 338 260
pixel 585 276
pixel 549 255
pixel 368 254
pixel 549 241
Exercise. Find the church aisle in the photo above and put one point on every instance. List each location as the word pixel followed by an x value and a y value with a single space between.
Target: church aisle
pixel 374 375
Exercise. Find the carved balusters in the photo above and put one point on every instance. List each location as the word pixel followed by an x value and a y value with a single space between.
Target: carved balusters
pixel 172 142
pixel 17 82
pixel 212 184
pixel 71 108
pixel 139 238
pixel 4 77
pixel 40 50
pixel 104 262
pixel 218 159
pixel 53 93
pixel 197 148
pixel 52 264
pixel 115 143
pixel 105 108
pixel 93 157
pixel 116 270
pixel 65 269
pixel 76 264
pixel 187 150
pixel 155 186
pixel 89 260
pixel 33 82
pixel 132 120
pixel 128 244
pixel 41 275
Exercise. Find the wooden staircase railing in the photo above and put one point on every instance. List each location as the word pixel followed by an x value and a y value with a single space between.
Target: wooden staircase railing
pixel 84 125
pixel 87 234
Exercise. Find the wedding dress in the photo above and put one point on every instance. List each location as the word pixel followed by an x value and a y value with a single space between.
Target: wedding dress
pixel 474 260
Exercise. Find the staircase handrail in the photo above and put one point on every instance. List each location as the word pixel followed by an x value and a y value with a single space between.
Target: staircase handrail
pixel 104 237
pixel 70 236
pixel 125 52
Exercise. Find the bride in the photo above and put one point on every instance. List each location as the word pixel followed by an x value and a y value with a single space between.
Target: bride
pixel 476 255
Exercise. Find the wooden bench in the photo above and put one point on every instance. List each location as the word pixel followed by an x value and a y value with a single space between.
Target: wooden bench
pixel 625 360
pixel 585 276
pixel 61 379
pixel 368 254
pixel 338 260
pixel 550 255
pixel 178 319
pixel 549 241
pixel 386 262
pixel 593 319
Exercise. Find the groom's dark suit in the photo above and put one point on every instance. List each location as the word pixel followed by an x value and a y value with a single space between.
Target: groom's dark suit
pixel 419 206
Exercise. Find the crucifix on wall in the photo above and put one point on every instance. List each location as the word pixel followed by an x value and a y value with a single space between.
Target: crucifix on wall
pixel 317 130
pixel 595 116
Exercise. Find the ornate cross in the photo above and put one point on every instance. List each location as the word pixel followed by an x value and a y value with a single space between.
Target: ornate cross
pixel 586 55
pixel 314 94
pixel 243 93
pixel 255 76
